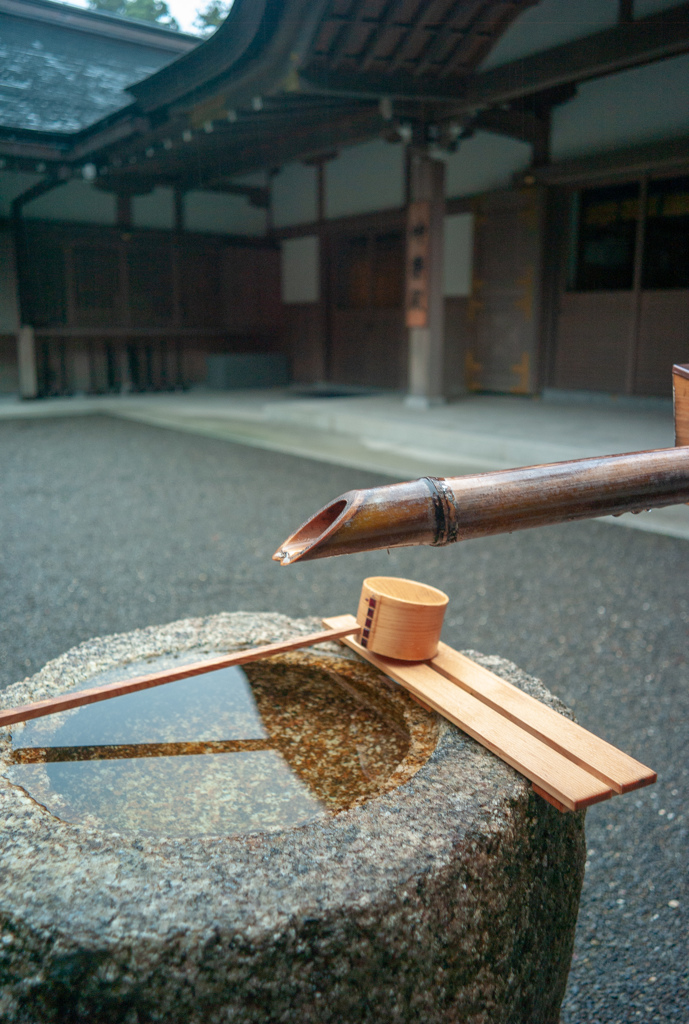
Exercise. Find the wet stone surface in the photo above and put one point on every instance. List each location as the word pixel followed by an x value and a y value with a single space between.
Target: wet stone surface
pixel 423 881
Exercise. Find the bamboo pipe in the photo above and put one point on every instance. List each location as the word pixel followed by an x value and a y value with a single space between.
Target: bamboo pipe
pixel 439 511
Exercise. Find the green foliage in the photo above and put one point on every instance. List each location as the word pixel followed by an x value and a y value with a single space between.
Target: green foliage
pixel 212 16
pixel 156 11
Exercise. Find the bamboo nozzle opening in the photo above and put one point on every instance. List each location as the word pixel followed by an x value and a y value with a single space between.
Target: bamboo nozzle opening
pixel 311 532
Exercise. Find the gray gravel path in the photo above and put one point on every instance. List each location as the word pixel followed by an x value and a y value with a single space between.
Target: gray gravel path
pixel 109 525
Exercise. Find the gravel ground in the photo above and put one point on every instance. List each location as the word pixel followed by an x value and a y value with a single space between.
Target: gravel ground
pixel 110 525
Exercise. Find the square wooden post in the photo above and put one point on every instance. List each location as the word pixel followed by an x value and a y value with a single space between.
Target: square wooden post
pixel 425 309
pixel 680 395
pixel 26 359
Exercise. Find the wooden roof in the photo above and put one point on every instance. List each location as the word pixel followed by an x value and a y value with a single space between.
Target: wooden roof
pixel 62 69
pixel 446 39
pixel 283 80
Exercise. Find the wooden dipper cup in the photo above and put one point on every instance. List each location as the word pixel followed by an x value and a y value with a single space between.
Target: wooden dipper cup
pixel 400 618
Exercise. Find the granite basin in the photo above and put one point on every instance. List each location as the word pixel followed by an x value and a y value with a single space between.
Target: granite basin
pixel 435 888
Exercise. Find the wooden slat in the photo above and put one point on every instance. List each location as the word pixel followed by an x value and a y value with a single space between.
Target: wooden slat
pixel 606 762
pixel 680 392
pixel 555 774
pixel 97 693
pixel 551 799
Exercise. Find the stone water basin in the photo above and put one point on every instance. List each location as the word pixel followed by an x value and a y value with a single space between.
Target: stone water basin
pixel 298 841
pixel 264 747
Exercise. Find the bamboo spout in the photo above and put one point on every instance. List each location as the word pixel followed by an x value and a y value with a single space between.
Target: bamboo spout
pixel 440 511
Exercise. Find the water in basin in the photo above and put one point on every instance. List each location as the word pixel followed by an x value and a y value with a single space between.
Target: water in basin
pixel 260 748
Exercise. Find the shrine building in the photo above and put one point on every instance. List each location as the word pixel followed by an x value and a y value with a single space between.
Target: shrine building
pixel 426 196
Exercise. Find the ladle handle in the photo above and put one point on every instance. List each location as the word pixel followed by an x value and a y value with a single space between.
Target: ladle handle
pixel 96 693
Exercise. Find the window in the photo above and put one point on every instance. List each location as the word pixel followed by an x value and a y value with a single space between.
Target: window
pixel 666 248
pixel 607 238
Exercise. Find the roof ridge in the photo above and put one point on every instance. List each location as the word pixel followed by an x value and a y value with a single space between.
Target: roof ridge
pixel 101 23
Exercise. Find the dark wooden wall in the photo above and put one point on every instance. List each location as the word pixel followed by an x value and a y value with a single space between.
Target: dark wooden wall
pixel 620 336
pixel 115 308
pixel 9 375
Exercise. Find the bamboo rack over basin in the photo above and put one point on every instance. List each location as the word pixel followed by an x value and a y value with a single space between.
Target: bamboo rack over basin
pixel 567 765
pixel 439 511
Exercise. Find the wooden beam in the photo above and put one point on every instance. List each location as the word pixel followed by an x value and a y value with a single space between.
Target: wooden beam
pixel 35 192
pixel 17 147
pixel 297 144
pixel 604 53
pixel 627 164
pixel 615 49
pixel 517 124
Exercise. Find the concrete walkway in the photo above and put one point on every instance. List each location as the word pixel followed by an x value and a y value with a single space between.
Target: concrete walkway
pixel 380 433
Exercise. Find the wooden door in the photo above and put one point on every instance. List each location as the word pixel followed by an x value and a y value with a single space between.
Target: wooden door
pixel 368 336
pixel 504 308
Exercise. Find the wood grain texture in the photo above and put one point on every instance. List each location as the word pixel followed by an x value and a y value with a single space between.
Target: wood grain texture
pixel 612 766
pixel 97 693
pixel 680 392
pixel 441 511
pixel 556 775
pixel 551 799
pixel 401 618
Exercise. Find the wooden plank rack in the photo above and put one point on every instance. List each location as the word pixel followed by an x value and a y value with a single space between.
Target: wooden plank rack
pixel 568 766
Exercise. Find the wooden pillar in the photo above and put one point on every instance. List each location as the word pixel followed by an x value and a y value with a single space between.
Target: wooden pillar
pixel 26 358
pixel 124 210
pixel 179 209
pixel 78 367
pixel 325 275
pixel 637 296
pixel 425 310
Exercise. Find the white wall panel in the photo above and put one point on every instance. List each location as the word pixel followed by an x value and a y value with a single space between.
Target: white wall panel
pixel 220 213
pixel 76 201
pixel 9 313
pixel 12 185
pixel 300 271
pixel 295 196
pixel 550 23
pixel 640 105
pixel 258 178
pixel 155 210
pixel 484 162
pixel 365 178
pixel 458 255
